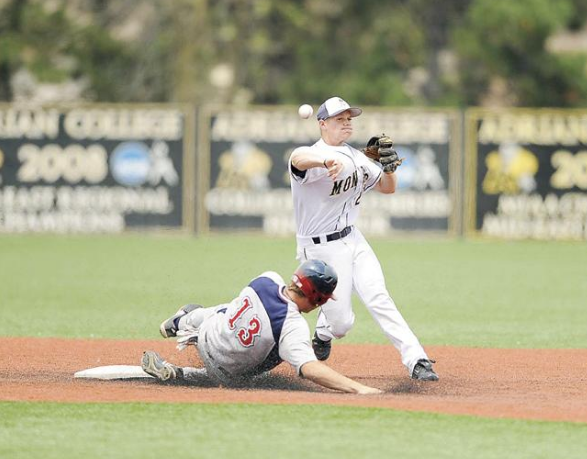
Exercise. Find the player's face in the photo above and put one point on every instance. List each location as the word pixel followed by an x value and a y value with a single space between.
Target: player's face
pixel 337 129
pixel 305 305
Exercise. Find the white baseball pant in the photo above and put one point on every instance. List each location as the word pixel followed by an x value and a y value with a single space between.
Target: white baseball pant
pixel 359 269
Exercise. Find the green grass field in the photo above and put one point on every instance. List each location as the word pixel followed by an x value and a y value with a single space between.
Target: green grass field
pixel 452 292
pixel 57 431
pixel 491 294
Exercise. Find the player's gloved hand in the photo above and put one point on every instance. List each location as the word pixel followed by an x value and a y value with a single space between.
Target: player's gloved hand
pixel 389 158
pixel 380 148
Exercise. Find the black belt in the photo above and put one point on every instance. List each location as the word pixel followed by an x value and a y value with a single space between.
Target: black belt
pixel 334 236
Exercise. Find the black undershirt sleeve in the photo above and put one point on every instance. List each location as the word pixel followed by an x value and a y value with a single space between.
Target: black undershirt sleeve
pixel 298 173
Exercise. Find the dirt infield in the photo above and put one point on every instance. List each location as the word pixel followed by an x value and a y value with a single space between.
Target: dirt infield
pixel 504 383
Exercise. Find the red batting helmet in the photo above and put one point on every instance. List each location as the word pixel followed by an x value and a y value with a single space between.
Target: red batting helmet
pixel 316 280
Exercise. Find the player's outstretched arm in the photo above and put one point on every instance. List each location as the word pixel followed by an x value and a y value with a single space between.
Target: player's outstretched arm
pixel 304 158
pixel 325 376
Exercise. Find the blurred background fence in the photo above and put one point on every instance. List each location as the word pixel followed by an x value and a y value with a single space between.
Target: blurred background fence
pixel 146 114
pixel 512 173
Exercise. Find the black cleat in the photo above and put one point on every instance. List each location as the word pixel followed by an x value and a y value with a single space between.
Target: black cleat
pixel 423 371
pixel 321 348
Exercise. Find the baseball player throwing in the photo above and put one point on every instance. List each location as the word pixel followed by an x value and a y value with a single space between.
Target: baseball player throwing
pixel 328 182
pixel 256 331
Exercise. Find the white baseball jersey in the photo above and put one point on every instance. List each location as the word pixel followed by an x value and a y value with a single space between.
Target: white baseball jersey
pixel 255 332
pixel 323 206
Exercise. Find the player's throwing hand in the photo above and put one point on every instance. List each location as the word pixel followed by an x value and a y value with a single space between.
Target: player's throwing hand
pixel 334 167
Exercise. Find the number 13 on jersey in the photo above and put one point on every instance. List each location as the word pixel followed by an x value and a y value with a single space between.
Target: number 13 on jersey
pixel 245 335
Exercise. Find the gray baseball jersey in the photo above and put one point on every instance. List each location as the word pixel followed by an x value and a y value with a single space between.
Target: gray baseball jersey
pixel 255 332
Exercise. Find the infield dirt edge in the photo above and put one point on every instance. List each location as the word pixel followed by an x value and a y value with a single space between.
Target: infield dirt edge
pixel 537 384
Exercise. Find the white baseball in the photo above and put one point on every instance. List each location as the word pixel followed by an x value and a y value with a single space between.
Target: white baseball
pixel 305 111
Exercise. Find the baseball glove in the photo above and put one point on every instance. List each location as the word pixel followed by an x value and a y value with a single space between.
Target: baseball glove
pixel 380 149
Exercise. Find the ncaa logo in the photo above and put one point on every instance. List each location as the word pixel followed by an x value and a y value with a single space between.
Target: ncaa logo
pixel 419 171
pixel 130 163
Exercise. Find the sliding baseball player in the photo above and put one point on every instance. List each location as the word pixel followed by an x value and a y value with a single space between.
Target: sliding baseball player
pixel 256 331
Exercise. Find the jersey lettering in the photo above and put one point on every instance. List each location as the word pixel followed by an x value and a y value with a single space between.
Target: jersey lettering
pixel 365 178
pixel 246 305
pixel 337 185
pixel 246 336
pixel 344 185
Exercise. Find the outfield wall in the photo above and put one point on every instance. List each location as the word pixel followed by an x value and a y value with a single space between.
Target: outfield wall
pixel 245 153
pixel 527 174
pixel 97 168
pixel 513 174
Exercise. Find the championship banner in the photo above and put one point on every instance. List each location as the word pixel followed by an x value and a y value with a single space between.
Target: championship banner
pixel 245 154
pixel 527 174
pixel 91 168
